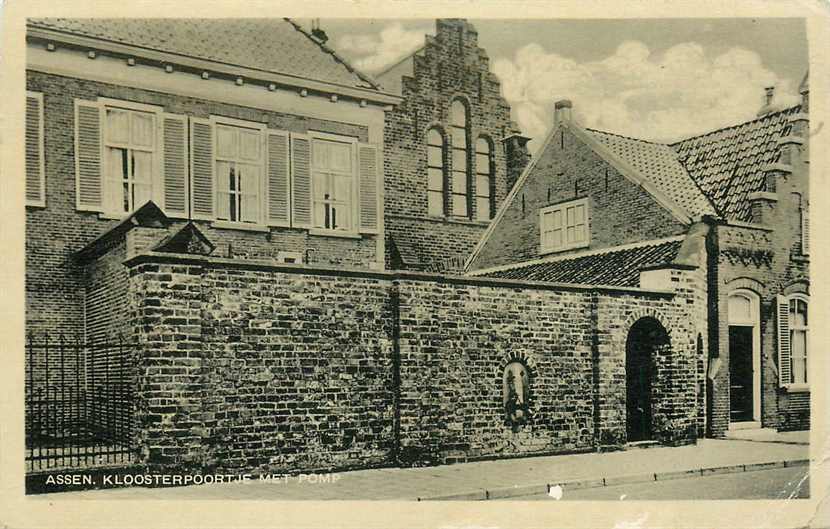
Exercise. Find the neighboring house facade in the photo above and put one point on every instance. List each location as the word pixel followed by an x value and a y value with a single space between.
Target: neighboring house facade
pixel 452 152
pixel 273 155
pixel 598 208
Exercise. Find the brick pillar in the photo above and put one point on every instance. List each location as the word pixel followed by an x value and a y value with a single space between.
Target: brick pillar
pixel 165 303
pixel 517 155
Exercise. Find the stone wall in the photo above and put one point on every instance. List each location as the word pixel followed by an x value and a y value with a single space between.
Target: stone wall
pixel 261 367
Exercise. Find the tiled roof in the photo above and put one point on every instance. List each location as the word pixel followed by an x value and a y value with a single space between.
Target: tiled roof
pixel 616 267
pixel 658 164
pixel 728 164
pixel 273 45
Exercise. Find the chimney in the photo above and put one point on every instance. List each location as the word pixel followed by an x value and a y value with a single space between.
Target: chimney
pixel 516 153
pixel 562 111
pixel 769 94
pixel 318 32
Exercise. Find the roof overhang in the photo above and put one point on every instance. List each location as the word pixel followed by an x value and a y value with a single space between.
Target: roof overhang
pixel 197 65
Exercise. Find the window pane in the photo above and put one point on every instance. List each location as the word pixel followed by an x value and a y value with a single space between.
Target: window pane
pixel 342 188
pixel 226 142
pixel 459 182
pixel 579 233
pixel 434 157
pixel 435 180
pixel 435 203
pixel 116 171
pixel 249 178
pixel 434 138
pixel 341 217
pixel 739 309
pixel 321 184
pixel 118 126
pixel 250 208
pixel 249 145
pixel 141 194
pixel 482 185
pixel 579 214
pixel 340 157
pixel 459 160
pixel 483 208
pixel 556 238
pixel 799 356
pixel 482 146
pixel 459 138
pixel 143 166
pixel 458 114
pixel 570 213
pixel 223 170
pixel 556 221
pixel 571 234
pixel 321 214
pixel 459 205
pixel 142 129
pixel 798 313
pixel 482 164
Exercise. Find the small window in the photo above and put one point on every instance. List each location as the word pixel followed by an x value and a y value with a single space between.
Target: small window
pixel 564 226
pixel 460 183
pixel 333 184
pixel 129 158
pixel 238 173
pixel 484 180
pixel 798 340
pixel 435 173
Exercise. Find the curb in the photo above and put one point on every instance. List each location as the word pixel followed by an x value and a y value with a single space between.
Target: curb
pixel 544 488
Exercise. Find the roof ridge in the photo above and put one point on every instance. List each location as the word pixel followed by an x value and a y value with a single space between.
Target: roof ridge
pixel 579 255
pixel 626 137
pixel 327 49
pixel 736 125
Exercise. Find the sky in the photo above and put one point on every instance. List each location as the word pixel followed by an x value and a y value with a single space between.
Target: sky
pixel 655 79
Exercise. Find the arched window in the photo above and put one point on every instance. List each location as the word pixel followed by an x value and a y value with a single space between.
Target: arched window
pixel 798 339
pixel 484 180
pixel 460 171
pixel 435 172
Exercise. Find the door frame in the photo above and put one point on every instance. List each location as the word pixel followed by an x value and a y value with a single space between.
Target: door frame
pixel 753 319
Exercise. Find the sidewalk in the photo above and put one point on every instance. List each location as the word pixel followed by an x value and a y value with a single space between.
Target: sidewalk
pixel 470 480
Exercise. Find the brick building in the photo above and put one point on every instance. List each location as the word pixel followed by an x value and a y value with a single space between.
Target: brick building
pixel 598 208
pixel 452 153
pixel 219 206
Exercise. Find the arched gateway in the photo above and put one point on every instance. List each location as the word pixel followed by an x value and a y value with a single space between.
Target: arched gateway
pixel 645 338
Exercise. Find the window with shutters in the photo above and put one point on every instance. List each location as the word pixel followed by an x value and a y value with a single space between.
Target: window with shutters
pixel 460 182
pixel 130 161
pixel 35 164
pixel 239 170
pixel 564 226
pixel 798 324
pixel 334 185
pixel 435 173
pixel 484 179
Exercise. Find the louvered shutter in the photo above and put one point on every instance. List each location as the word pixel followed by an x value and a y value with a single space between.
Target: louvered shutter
pixel 174 165
pixel 35 193
pixel 201 169
pixel 805 232
pixel 300 180
pixel 88 156
pixel 783 310
pixel 278 185
pixel 368 171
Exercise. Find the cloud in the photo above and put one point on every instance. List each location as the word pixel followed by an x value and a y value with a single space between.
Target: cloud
pixel 682 91
pixel 376 51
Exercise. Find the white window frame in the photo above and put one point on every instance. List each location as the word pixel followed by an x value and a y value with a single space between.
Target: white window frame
pixel 354 198
pixel 41 151
pixel 799 386
pixel 562 208
pixel 261 128
pixel 156 184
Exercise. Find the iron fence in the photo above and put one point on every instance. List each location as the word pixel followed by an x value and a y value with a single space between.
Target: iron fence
pixel 79 402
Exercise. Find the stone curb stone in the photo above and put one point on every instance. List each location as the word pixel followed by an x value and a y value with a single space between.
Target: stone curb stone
pixel 516 490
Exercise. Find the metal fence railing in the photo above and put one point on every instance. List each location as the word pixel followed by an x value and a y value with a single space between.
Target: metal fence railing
pixel 79 402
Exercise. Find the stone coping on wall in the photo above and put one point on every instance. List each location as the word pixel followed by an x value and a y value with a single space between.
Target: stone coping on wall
pixel 388 275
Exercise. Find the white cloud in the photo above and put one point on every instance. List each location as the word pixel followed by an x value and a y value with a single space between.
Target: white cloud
pixel 375 51
pixel 659 96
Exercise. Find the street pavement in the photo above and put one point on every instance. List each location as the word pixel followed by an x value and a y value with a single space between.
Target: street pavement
pixel 775 484
pixel 478 480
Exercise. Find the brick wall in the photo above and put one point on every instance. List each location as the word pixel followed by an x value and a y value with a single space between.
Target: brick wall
pixel 55 284
pixel 251 366
pixel 451 65
pixel 620 211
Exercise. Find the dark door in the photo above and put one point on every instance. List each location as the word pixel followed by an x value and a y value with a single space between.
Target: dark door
pixel 740 373
pixel 638 391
